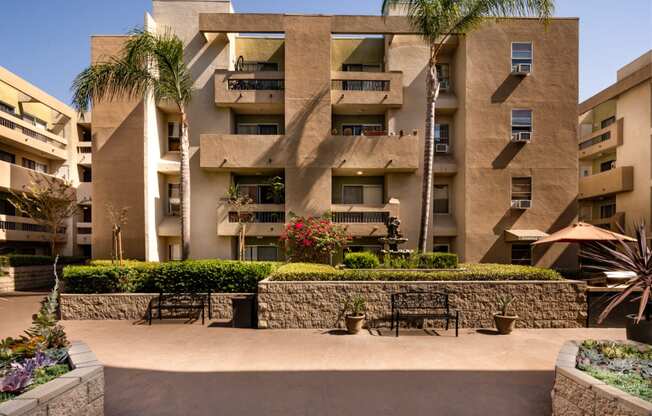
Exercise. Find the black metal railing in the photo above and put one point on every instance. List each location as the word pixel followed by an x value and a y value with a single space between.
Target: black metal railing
pixel 365 217
pixel 263 217
pixel 256 84
pixel 31 133
pixel 360 85
pixel 595 140
pixel 21 226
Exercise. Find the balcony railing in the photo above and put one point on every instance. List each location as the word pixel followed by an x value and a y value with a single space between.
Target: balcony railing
pixel 597 142
pixel 366 217
pixel 33 133
pixel 29 227
pixel 620 179
pixel 361 85
pixel 258 217
pixel 256 84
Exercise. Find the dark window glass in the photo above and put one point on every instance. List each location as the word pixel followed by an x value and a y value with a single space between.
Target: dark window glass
pixel 522 254
pixel 7 157
pixel 608 165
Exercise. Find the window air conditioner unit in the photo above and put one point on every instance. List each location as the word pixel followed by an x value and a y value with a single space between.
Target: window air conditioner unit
pixel 521 204
pixel 441 148
pixel 521 69
pixel 522 137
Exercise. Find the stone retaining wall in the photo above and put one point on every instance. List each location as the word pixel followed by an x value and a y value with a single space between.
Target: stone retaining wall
pixel 78 392
pixel 26 278
pixel 130 306
pixel 539 304
pixel 577 393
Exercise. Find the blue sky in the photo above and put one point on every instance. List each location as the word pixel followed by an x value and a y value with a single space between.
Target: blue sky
pixel 47 41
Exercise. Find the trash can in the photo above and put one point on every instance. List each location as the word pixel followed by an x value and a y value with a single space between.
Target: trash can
pixel 244 311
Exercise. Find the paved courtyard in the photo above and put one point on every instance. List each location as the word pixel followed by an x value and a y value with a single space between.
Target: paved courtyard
pixel 172 368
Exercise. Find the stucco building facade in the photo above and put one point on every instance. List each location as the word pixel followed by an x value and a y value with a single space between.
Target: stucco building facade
pixel 333 107
pixel 615 153
pixel 41 136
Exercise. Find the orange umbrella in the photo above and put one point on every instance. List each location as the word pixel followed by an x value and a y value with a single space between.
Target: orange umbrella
pixel 583 232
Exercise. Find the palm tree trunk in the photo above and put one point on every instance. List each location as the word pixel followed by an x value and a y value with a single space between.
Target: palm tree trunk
pixel 185 188
pixel 432 89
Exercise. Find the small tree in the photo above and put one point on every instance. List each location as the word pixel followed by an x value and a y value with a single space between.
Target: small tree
pixel 240 204
pixel 49 202
pixel 118 218
pixel 313 239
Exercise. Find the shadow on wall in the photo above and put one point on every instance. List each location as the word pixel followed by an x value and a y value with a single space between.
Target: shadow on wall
pixel 497 252
pixel 145 392
pixel 506 155
pixel 506 89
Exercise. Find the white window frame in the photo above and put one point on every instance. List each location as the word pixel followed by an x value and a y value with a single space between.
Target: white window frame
pixel 173 137
pixel 511 253
pixel 38 166
pixel 35 121
pixel 448 199
pixel 511 54
pixel 278 130
pixel 169 202
pixel 368 185
pixel 511 119
pixel 171 250
pixel 511 188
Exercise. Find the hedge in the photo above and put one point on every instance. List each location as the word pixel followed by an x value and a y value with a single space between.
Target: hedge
pixel 219 276
pixel 364 260
pixel 21 260
pixel 467 272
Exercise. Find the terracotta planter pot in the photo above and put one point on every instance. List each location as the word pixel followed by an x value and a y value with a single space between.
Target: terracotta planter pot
pixel 505 324
pixel 354 323
pixel 640 332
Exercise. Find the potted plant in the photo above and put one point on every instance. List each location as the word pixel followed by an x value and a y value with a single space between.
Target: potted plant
pixel 503 319
pixel 637 259
pixel 354 313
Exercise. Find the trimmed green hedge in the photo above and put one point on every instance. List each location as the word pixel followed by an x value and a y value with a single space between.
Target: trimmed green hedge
pixel 468 272
pixel 364 260
pixel 18 260
pixel 220 276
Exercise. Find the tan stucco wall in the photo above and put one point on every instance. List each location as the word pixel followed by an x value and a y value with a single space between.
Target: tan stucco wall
pixel 257 49
pixel 368 51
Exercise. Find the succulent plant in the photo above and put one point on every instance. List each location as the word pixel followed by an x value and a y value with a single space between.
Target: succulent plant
pixel 621 365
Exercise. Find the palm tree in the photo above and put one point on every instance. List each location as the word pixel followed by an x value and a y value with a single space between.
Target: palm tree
pixel 148 63
pixel 436 21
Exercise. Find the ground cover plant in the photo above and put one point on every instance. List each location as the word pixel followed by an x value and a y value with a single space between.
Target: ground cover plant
pixel 627 367
pixel 368 260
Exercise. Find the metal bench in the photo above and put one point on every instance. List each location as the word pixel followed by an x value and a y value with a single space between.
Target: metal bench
pixel 422 305
pixel 180 301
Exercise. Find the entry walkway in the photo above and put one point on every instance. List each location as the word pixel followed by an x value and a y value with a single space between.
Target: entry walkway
pixel 176 369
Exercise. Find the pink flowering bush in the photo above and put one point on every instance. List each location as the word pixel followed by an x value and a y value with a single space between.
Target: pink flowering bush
pixel 313 239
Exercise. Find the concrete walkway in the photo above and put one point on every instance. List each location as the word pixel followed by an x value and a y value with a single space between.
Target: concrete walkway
pixel 177 369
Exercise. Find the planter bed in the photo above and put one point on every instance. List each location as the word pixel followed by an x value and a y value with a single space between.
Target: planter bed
pixel 129 306
pixel 578 392
pixel 24 278
pixel 79 391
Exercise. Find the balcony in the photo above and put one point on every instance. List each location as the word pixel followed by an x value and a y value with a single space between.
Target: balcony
pixel 16 177
pixel 601 141
pixel 364 220
pixel 26 136
pixel 224 152
pixel 372 153
pixel 607 183
pixel 243 91
pixel 613 223
pixel 84 153
pixel 444 165
pixel 13 228
pixel 85 192
pixel 267 220
pixel 84 235
pixel 356 92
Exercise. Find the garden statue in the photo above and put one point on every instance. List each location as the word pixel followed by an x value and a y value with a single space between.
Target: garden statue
pixel 393 239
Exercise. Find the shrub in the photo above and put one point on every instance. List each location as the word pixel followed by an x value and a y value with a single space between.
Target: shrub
pixel 468 272
pixel 188 276
pixel 364 260
pixel 311 239
pixel 305 268
pixel 424 261
pixel 20 260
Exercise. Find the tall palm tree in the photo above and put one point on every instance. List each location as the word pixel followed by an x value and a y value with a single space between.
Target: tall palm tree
pixel 148 63
pixel 436 21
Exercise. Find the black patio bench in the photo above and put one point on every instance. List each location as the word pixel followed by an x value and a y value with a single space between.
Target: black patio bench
pixel 180 301
pixel 422 305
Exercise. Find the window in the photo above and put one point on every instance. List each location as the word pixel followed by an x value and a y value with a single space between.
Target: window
pixel 260 193
pixel 442 134
pixel 33 165
pixel 608 122
pixel 86 174
pixel 607 165
pixel 521 121
pixel 364 248
pixel 6 108
pixel 174 199
pixel 362 194
pixel 7 157
pixel 361 67
pixel 522 254
pixel 361 129
pixel 174 251
pixel 261 253
pixel 608 209
pixel 441 248
pixel 443 75
pixel 35 121
pixel 441 199
pixel 257 129
pixel 87 214
pixel 521 54
pixel 174 136
pixel 6 208
pixel 521 189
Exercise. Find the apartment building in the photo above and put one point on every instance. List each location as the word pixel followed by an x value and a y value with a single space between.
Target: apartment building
pixel 39 135
pixel 333 106
pixel 615 154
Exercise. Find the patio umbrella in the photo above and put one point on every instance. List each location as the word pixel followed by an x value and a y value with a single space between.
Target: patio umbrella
pixel 583 233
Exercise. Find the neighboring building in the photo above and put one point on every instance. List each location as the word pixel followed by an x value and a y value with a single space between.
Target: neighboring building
pixel 334 105
pixel 615 138
pixel 39 135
